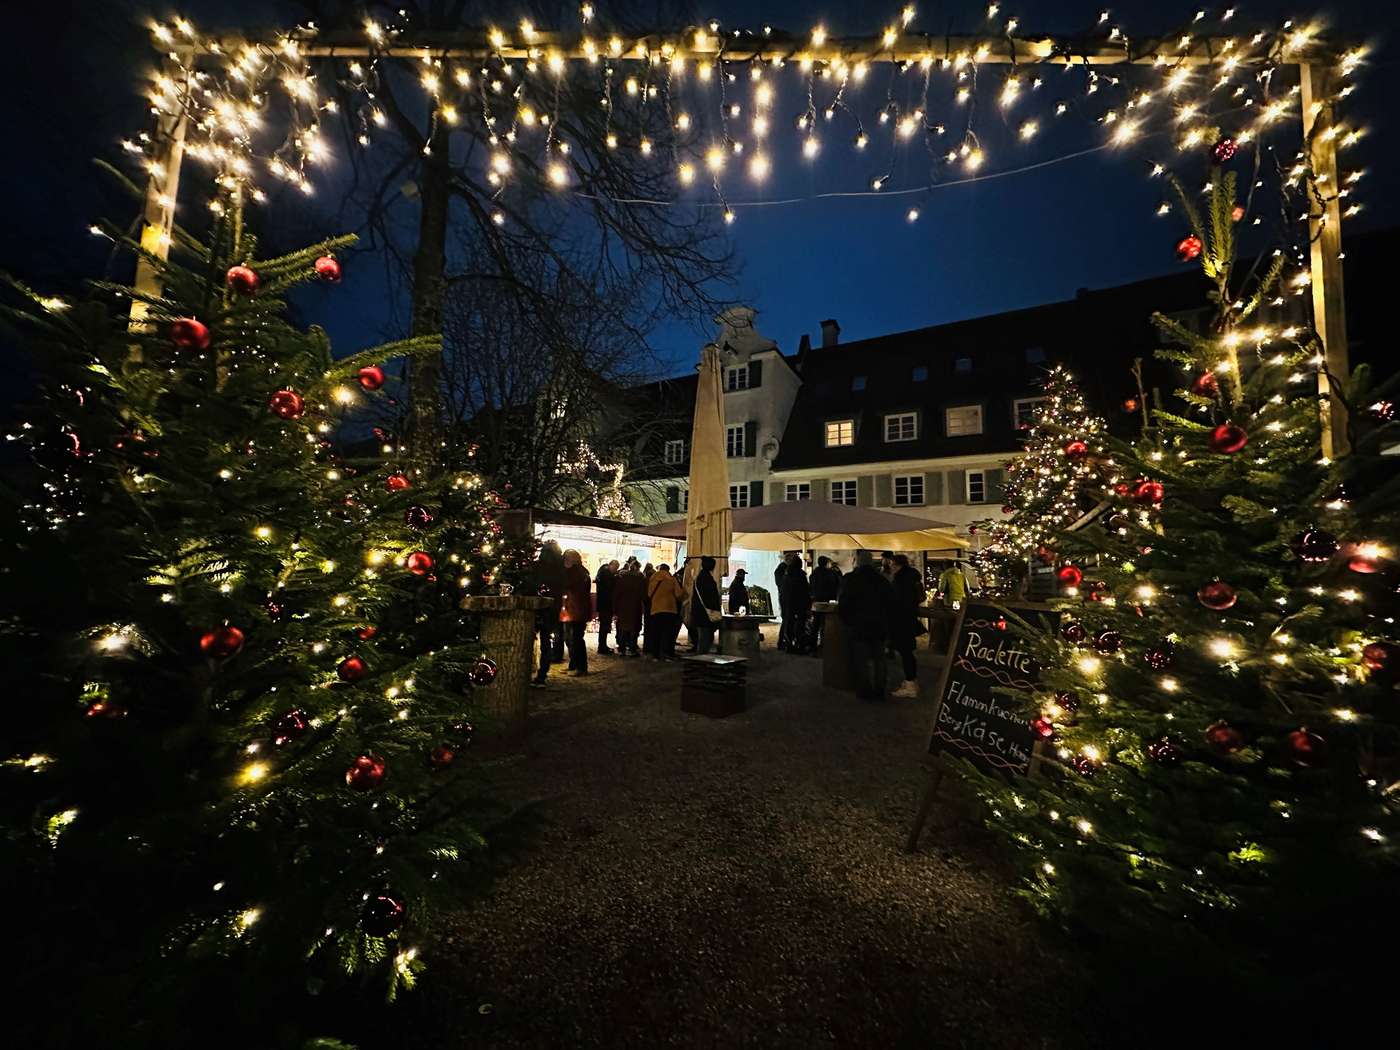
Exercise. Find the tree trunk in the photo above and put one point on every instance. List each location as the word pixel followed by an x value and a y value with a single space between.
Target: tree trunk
pixel 429 289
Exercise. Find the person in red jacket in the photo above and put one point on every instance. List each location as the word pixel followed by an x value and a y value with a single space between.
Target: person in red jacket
pixel 578 610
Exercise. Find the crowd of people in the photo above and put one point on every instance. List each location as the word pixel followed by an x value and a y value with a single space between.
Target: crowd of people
pixel 643 608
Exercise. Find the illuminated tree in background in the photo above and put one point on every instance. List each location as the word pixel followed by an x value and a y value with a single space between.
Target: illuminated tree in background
pixel 1049 487
pixel 1220 700
pixel 244 767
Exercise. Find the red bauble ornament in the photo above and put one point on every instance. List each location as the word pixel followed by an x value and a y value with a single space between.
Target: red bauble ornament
pixel 484 671
pixel 1097 590
pixel 1189 247
pixel 1224 737
pixel 1164 752
pixel 1237 212
pixel 1305 748
pixel 441 756
pixel 371 377
pixel 1084 765
pixel 364 634
pixel 1217 595
pixel 1000 623
pixel 1068 700
pixel 1314 545
pixel 462 732
pixel 1074 632
pixel 365 773
pixel 1223 151
pixel 420 563
pixel 1228 438
pixel 1362 564
pixel 417 517
pixel 1160 657
pixel 287 403
pixel 189 334
pixel 1122 488
pixel 1148 493
pixel 1007 508
pixel 289 727
pixel 1108 642
pixel 1043 728
pixel 105 709
pixel 1070 575
pixel 221 642
pixel 1076 451
pixel 1205 385
pixel 242 279
pixel 381 915
pixel 396 482
pixel 351 669
pixel 1131 404
pixel 1377 656
pixel 328 268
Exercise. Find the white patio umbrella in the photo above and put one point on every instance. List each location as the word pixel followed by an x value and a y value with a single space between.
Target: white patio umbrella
pixel 825 526
pixel 706 527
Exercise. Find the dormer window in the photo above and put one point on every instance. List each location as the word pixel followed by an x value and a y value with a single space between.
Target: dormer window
pixel 858 384
pixel 840 432
pixel 736 378
pixel 675 453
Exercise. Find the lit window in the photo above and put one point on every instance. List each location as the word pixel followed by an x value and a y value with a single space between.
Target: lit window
pixel 920 373
pixel 844 492
pixel 963 366
pixel 738 495
pixel 903 426
pixel 840 432
pixel 858 383
pixel 734 441
pixel 1025 410
pixel 675 452
pixel 798 490
pixel 736 378
pixel 909 490
pixel 976 486
pixel 964 420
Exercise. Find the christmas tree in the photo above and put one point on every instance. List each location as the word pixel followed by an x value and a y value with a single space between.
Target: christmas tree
pixel 242 770
pixel 1049 487
pixel 1219 792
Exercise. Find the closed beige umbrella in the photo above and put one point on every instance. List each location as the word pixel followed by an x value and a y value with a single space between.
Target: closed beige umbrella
pixel 708 528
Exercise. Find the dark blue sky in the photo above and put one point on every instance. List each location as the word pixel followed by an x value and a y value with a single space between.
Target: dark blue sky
pixel 997 244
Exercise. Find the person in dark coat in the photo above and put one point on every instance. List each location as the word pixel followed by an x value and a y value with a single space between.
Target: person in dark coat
pixel 606 578
pixel 866 603
pixel 629 598
pixel 796 597
pixel 578 610
pixel 778 574
pixel 548 578
pixel 704 600
pixel 738 592
pixel 826 582
pixel 908 586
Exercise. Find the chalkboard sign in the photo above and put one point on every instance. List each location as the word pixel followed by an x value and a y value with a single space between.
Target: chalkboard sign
pixel 988 729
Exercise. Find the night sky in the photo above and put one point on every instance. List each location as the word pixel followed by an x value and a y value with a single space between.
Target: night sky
pixel 1000 243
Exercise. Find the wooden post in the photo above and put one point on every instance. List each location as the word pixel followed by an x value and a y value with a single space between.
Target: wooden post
pixel 158 217
pixel 1325 229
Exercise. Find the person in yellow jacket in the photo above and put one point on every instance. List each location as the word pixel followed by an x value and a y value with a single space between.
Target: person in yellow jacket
pixel 664 601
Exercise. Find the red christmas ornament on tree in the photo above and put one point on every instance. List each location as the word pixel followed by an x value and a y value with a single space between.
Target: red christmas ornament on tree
pixel 417 517
pixel 1107 642
pixel 287 403
pixel 396 482
pixel 1043 728
pixel 289 727
pixel 106 709
pixel 189 334
pixel 1189 247
pixel 1074 632
pixel 1076 450
pixel 351 669
pixel 364 634
pixel 1068 700
pixel 1223 151
pixel 242 279
pixel 420 563
pixel 1224 737
pixel 441 756
pixel 1122 488
pixel 221 642
pixel 1070 575
pixel 1164 752
pixel 1228 438
pixel 1217 595
pixel 365 773
pixel 1305 748
pixel 462 732
pixel 1098 590
pixel 1084 765
pixel 1237 212
pixel 1314 545
pixel 1147 493
pixel 1205 385
pixel 328 268
pixel 371 377
pixel 1007 508
pixel 484 671
pixel 1378 656
pixel 1131 404
pixel 1160 657
pixel 381 915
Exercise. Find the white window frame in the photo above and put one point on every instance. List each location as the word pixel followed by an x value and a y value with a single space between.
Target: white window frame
pixel 846 426
pixel 853 489
pixel 675 452
pixel 900 418
pixel 981 476
pixel 739 495
pixel 961 432
pixel 797 492
pixel 684 497
pixel 734 441
pixel 1016 409
pixel 910 481
pixel 736 377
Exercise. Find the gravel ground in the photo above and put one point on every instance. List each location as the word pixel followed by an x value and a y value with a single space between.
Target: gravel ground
pixel 739 882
